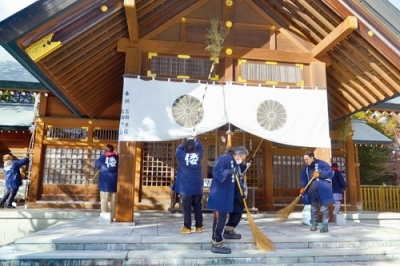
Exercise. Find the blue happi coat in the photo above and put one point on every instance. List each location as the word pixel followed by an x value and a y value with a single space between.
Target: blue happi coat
pixel 12 175
pixel 222 190
pixel 189 180
pixel 322 185
pixel 108 165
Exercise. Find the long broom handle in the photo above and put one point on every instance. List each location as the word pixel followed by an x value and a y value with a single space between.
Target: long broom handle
pixel 202 99
pixel 253 156
pixel 344 200
pixel 241 192
pixel 91 180
pixel 305 188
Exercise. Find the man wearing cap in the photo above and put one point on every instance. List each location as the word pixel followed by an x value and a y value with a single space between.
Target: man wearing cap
pixel 12 177
pixel 189 183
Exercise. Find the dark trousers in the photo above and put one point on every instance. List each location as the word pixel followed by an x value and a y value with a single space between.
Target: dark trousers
pixel 234 218
pixel 10 195
pixel 188 202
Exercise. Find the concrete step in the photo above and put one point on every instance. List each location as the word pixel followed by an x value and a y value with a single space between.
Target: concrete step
pixel 204 257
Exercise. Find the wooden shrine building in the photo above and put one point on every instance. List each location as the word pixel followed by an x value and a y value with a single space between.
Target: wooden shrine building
pixel 81 50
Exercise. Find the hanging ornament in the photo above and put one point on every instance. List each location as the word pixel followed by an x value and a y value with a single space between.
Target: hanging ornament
pixel 230 134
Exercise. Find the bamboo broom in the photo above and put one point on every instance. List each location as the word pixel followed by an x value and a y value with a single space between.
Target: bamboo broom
pixel 285 212
pixel 262 242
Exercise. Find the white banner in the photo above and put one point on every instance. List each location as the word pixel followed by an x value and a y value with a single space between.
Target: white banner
pixel 166 110
pixel 296 117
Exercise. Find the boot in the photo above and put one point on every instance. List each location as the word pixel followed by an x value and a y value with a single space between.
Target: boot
pixel 314 226
pixel 229 233
pixel 218 247
pixel 324 228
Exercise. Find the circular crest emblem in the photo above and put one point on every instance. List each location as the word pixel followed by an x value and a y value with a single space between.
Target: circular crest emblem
pixel 185 110
pixel 271 115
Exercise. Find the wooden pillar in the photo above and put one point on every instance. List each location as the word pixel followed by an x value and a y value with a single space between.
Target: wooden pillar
pixel 126 182
pixel 352 175
pixel 128 168
pixel 269 177
pixel 36 163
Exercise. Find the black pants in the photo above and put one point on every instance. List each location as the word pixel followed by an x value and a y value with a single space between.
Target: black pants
pixel 234 217
pixel 10 195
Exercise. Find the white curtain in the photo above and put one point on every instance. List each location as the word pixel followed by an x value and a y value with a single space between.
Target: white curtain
pixel 166 110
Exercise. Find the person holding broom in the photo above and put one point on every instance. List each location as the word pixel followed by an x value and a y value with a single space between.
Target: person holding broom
pixel 225 197
pixel 319 174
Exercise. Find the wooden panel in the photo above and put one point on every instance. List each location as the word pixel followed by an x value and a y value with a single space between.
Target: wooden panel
pixel 252 38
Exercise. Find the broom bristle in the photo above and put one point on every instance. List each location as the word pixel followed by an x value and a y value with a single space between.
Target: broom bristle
pixel 262 242
pixel 285 212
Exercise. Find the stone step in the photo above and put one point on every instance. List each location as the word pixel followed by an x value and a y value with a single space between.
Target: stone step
pixel 368 256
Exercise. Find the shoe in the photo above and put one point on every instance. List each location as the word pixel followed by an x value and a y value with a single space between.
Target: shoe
pixel 199 229
pixel 324 228
pixel 314 226
pixel 220 248
pixel 231 235
pixel 185 230
pixel 9 207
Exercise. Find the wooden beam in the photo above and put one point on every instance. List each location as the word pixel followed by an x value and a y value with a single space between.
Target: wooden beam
pixel 193 49
pixel 131 20
pixel 352 91
pixel 176 19
pixel 382 44
pixel 288 34
pixel 337 35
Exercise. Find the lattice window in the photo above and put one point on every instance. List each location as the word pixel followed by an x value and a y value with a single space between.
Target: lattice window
pixel 94 155
pixel 66 133
pixel 280 145
pixel 287 170
pixel 255 174
pixel 105 134
pixel 180 67
pixel 67 166
pixel 337 144
pixel 158 163
pixel 271 73
pixel 341 161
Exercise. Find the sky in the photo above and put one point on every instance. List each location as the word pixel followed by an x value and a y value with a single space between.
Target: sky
pixel 9 7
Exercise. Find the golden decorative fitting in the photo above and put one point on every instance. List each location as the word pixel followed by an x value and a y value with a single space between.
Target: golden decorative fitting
pixel 229 2
pixel 42 48
pixel 371 33
pixel 90 122
pixel 183 19
pixel 104 8
pixel 272 27
pixel 228 51
pixel 228 24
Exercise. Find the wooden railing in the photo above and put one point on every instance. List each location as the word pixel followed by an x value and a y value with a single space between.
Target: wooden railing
pixel 380 198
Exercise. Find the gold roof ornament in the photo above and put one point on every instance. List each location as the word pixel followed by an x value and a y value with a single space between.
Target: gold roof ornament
pixel 42 48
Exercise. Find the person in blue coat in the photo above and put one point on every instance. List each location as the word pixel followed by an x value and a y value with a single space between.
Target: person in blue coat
pixel 225 197
pixel 320 174
pixel 12 177
pixel 189 183
pixel 338 185
pixel 108 179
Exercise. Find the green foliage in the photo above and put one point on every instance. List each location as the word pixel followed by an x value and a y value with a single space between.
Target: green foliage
pixel 373 165
pixel 215 38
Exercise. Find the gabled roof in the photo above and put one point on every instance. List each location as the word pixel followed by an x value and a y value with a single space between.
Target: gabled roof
pixel 16 116
pixel 86 71
pixel 364 134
